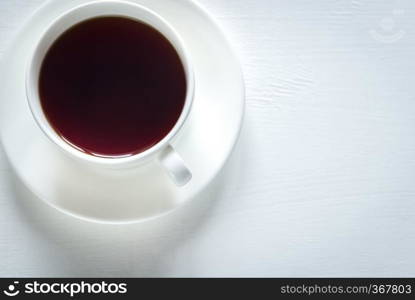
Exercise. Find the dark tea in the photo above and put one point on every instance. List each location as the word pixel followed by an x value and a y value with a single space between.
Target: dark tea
pixel 112 86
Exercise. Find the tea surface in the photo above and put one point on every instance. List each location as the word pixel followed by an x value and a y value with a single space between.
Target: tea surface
pixel 112 86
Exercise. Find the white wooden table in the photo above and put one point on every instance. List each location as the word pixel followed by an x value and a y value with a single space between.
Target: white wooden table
pixel 322 180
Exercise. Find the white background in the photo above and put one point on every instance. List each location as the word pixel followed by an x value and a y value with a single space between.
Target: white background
pixel 321 182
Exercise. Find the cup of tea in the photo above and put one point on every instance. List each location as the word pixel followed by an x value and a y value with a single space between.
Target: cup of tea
pixel 110 83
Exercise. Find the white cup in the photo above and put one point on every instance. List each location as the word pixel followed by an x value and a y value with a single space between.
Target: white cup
pixel 162 151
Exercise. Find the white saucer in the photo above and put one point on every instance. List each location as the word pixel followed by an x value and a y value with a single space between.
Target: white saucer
pixel 205 145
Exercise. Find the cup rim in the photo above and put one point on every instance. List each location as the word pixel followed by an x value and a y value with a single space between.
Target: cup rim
pixel 33 98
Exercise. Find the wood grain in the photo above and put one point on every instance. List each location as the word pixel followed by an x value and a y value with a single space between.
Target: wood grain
pixel 321 183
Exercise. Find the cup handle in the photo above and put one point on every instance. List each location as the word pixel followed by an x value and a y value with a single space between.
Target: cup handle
pixel 175 166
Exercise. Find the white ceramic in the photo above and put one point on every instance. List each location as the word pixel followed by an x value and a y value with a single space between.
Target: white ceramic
pixel 163 149
pixel 126 195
